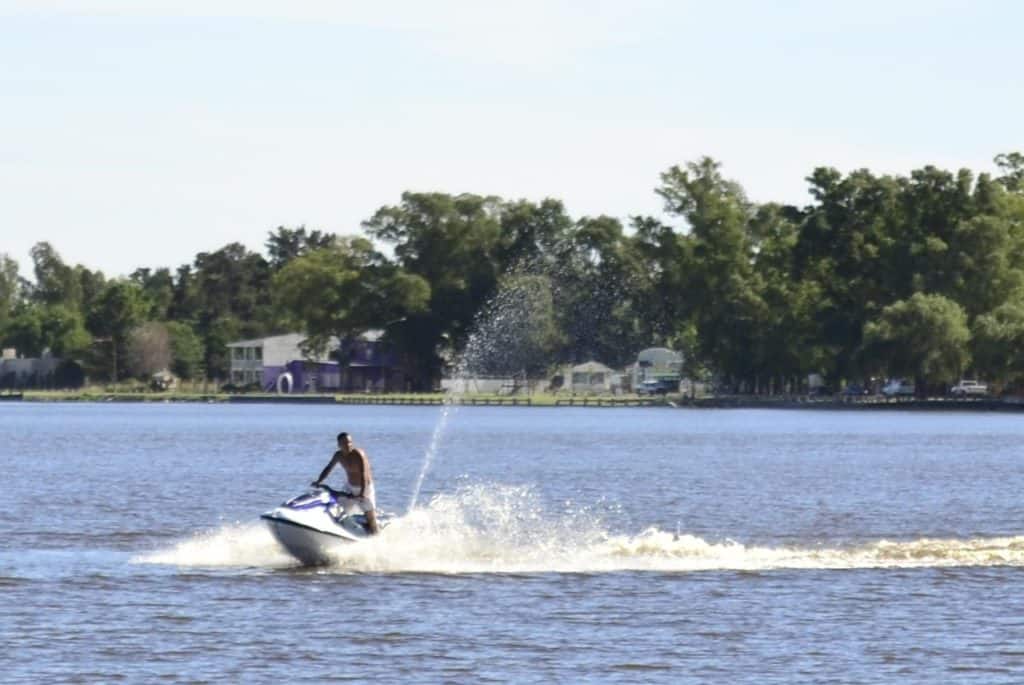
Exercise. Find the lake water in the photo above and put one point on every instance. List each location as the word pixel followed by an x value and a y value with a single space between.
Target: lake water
pixel 547 545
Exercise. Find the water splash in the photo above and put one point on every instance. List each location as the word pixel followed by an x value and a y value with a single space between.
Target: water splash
pixel 484 529
pixel 247 544
pixel 435 444
pixel 513 336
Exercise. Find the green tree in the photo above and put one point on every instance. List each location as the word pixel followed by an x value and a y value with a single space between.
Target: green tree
pixel 226 296
pixel 186 350
pixel 532 236
pixel 63 330
pixel 285 244
pixel 10 289
pixel 24 330
pixel 726 297
pixel 661 282
pixel 997 343
pixel 232 283
pixel 1012 166
pixel 158 288
pixel 594 300
pixel 91 285
pixel 35 329
pixel 119 308
pixel 344 290
pixel 845 258
pixel 924 337
pixel 787 347
pixel 452 242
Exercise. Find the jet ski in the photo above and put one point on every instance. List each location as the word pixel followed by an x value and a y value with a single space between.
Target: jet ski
pixel 316 523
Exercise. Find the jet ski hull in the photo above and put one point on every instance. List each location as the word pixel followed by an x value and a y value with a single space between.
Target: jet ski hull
pixel 313 527
pixel 309 546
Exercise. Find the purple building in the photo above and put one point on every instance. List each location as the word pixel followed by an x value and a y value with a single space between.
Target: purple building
pixel 276 364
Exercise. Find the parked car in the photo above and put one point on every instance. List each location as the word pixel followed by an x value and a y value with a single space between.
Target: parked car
pixel 658 386
pixel 898 387
pixel 967 388
pixel 855 390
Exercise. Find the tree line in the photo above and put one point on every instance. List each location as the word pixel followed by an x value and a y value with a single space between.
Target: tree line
pixel 920 276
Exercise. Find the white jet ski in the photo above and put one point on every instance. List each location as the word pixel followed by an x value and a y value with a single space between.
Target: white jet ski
pixel 316 523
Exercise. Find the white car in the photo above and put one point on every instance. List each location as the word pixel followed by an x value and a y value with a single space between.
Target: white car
pixel 898 387
pixel 967 388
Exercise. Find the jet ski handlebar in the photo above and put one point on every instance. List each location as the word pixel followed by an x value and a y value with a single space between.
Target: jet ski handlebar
pixel 328 488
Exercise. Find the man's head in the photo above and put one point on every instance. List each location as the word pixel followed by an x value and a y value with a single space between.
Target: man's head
pixel 344 441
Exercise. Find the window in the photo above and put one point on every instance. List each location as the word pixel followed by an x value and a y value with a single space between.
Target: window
pixel 248 353
pixel 258 353
pixel 237 353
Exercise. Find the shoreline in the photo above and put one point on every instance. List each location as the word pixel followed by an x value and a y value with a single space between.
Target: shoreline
pixel 669 401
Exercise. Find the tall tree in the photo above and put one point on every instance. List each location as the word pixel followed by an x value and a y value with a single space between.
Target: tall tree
pixel 1012 166
pixel 661 282
pixel 344 290
pixel 55 281
pixel 594 296
pixel 119 308
pixel 997 343
pixel 158 288
pixel 533 236
pixel 285 244
pixel 186 350
pixel 727 302
pixel 10 288
pixel 450 241
pixel 845 256
pixel 228 293
pixel 924 337
pixel 787 348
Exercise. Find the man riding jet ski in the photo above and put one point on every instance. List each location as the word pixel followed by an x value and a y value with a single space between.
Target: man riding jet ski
pixel 315 525
pixel 311 525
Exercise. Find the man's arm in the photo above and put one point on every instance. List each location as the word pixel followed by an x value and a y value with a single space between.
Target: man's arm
pixel 364 466
pixel 327 469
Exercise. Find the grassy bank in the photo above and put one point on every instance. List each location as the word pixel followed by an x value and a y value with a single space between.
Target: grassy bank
pixel 100 394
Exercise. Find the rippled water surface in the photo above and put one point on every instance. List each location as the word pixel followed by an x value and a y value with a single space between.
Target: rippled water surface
pixel 545 545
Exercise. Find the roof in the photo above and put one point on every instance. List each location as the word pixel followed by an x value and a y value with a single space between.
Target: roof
pixel 659 356
pixel 287 338
pixel 372 335
pixel 592 367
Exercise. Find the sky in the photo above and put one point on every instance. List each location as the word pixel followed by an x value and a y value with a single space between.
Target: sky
pixel 138 133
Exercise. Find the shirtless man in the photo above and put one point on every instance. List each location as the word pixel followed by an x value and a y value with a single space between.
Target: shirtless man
pixel 360 478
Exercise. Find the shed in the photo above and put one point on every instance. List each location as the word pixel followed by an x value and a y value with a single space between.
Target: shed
pixel 591 376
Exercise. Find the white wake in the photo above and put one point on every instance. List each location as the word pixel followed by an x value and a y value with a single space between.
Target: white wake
pixel 497 529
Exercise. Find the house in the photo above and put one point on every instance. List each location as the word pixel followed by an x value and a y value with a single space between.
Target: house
pixel 263 362
pixel 657 366
pixel 591 377
pixel 277 364
pixel 19 372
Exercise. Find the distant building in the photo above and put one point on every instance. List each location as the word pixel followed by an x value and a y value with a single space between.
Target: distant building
pixel 657 364
pixel 19 372
pixel 277 364
pixel 262 361
pixel 591 377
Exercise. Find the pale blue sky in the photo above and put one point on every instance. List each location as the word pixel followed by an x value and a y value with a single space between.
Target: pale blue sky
pixel 139 133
